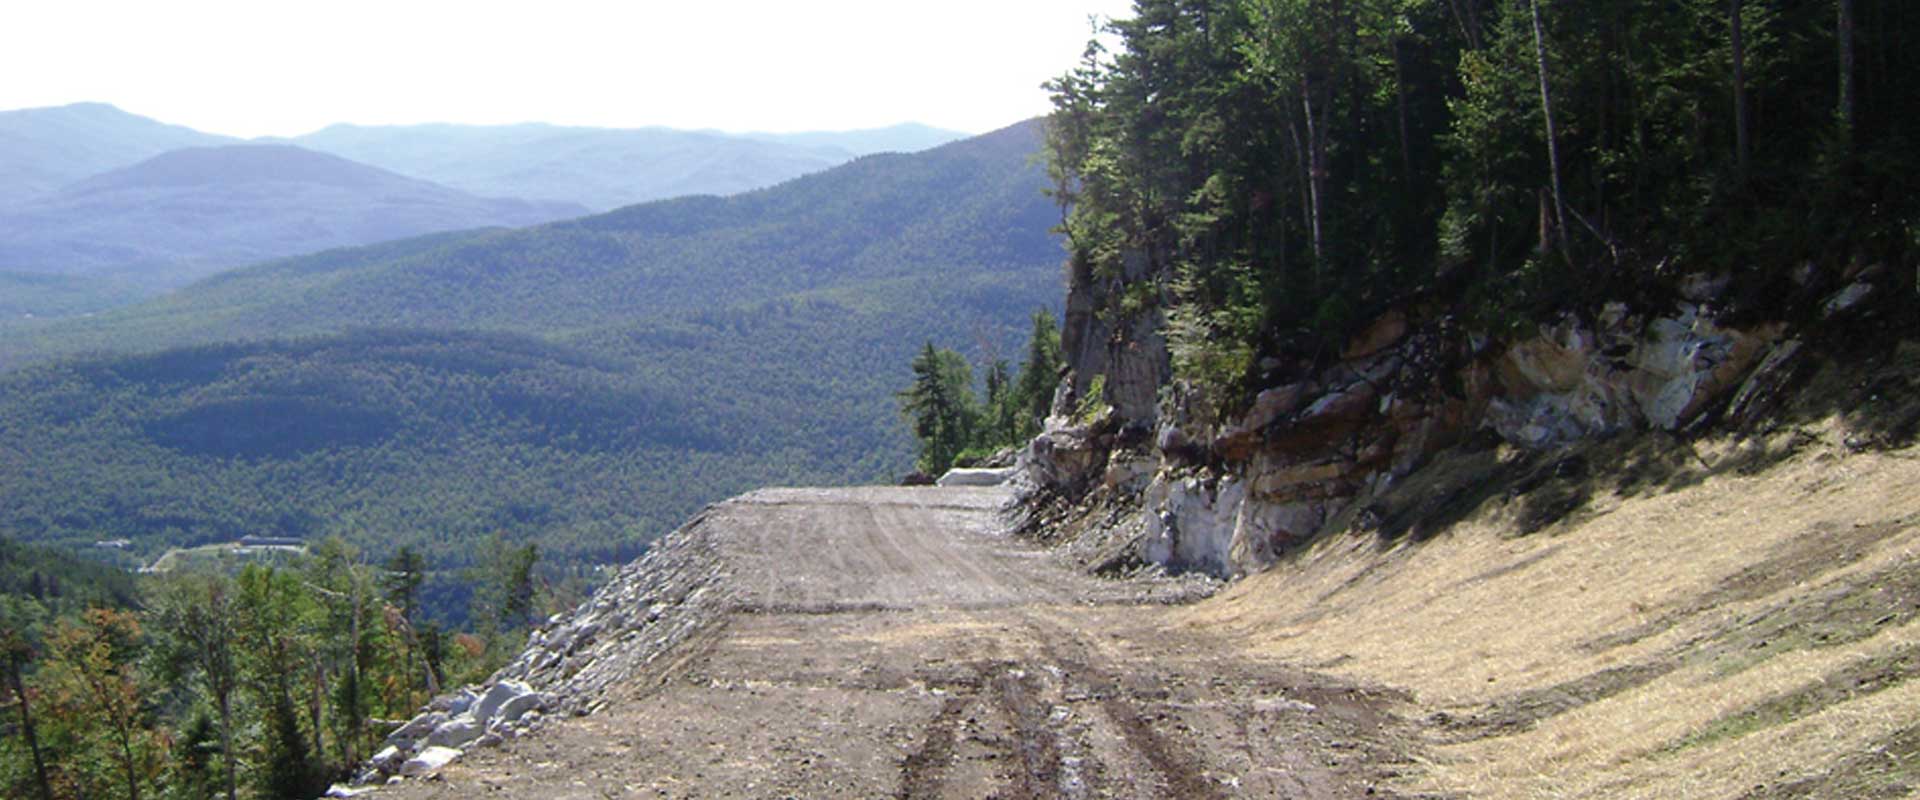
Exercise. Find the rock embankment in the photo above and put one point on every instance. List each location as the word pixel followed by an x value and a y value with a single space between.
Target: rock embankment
pixel 1226 496
pixel 656 602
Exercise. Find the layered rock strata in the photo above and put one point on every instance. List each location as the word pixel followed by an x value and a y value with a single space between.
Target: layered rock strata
pixel 1226 497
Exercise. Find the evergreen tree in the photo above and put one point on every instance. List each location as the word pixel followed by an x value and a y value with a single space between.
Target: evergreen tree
pixel 504 594
pixel 405 572
pixel 1039 375
pixel 198 619
pixel 939 407
pixel 289 770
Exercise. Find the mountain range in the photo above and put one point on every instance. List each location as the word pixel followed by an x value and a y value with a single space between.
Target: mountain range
pixel 585 384
pixel 190 212
pixel 99 206
pixel 605 168
pixel 44 149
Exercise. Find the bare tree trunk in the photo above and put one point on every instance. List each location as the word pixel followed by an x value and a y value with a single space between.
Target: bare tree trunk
pixel 1468 18
pixel 1316 174
pixel 1553 144
pixel 225 702
pixel 316 703
pixel 126 763
pixel 1400 98
pixel 27 730
pixel 1306 180
pixel 1742 146
pixel 350 742
pixel 1844 32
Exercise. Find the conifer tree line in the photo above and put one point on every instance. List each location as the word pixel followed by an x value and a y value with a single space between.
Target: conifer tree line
pixel 1288 166
pixel 952 424
pixel 268 682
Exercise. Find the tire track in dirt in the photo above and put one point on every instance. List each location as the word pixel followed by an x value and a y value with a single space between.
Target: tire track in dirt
pixel 896 643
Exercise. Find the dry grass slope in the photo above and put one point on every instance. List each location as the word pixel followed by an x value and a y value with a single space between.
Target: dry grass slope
pixel 1729 617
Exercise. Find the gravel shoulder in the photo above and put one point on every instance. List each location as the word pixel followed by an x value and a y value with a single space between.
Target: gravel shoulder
pixel 898 642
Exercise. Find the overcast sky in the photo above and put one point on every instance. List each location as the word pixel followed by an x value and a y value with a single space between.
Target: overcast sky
pixel 279 67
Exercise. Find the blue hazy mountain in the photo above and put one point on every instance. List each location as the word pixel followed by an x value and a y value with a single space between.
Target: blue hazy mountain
pixel 191 212
pixel 606 168
pixel 45 149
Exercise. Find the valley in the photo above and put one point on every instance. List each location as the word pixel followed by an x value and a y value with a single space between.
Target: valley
pixel 1479 399
pixel 585 384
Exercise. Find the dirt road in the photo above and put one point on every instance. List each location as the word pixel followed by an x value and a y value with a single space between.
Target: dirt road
pixel 882 642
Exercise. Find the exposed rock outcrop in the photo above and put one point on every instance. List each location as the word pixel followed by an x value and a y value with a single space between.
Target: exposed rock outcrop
pixel 1226 497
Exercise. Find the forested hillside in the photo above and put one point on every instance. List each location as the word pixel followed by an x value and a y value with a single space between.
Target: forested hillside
pixel 1270 173
pixel 585 384
pixel 959 212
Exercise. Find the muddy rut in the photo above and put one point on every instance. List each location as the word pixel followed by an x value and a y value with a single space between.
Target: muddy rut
pixel 881 642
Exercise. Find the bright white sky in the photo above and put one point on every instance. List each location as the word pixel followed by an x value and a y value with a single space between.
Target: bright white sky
pixel 277 67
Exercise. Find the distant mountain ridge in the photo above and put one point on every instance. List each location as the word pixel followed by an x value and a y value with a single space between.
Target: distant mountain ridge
pixel 44 149
pixel 586 384
pixel 77 202
pixel 606 168
pixel 971 206
pixel 193 211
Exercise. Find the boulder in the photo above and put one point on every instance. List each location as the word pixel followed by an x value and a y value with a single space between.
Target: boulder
pixel 1127 475
pixel 1685 362
pixel 418 727
pixel 454 704
pixel 1190 524
pixel 1845 299
pixel 388 759
pixel 1262 530
pixel 456 732
pixel 428 761
pixel 497 696
pixel 1379 335
pixel 976 476
pixel 512 710
pixel 1344 404
pixel 1554 362
pixel 1061 456
pixel 1272 404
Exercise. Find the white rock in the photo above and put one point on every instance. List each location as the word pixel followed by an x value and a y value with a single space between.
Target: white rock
pixel 965 476
pixel 456 732
pixel 1190 526
pixel 388 759
pixel 497 695
pixel 418 727
pixel 512 710
pixel 455 704
pixel 429 760
pixel 1846 299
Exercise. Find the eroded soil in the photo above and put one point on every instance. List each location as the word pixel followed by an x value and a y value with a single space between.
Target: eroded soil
pixel 884 642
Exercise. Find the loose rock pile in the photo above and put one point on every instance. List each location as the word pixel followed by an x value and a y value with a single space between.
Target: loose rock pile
pixel 656 602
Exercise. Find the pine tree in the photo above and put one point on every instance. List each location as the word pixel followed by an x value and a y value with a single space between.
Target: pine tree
pixel 1033 389
pixel 937 407
pixel 198 618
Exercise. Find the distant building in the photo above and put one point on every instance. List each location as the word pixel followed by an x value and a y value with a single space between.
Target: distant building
pixel 271 541
pixel 113 544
